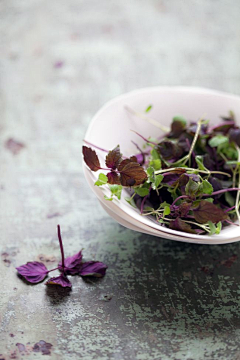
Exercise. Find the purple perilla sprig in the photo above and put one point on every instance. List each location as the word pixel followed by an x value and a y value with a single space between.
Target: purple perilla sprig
pixel 34 271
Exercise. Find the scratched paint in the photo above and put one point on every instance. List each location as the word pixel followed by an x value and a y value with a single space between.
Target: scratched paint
pixel 160 299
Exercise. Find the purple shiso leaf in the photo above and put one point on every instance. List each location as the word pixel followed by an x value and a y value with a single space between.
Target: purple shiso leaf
pixel 93 268
pixel 72 264
pixel 113 178
pixel 234 135
pixel 33 272
pixel 61 280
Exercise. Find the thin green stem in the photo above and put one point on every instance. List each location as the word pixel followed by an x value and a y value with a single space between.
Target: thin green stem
pixel 194 141
pixel 148 119
pixel 192 169
pixel 225 159
pixel 205 227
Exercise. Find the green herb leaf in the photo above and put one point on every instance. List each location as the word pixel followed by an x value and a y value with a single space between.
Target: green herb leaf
pixel 151 174
pixel 166 211
pixel 215 229
pixel 102 180
pixel 205 187
pixel 148 108
pixel 155 161
pixel 219 227
pixel 157 182
pixel 212 227
pixel 156 164
pixel 130 201
pixel 141 191
pixel 218 140
pixel 191 188
pixel 209 200
pixel 199 161
pixel 155 155
pixel 108 198
pixel 229 198
pixel 116 190
pixel 180 118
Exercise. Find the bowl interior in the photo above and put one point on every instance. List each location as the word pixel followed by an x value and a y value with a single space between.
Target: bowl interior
pixel 112 125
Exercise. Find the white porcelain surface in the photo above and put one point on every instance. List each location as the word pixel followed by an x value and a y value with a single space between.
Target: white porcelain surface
pixel 112 125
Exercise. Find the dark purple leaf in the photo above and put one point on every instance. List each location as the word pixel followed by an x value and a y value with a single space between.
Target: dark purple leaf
pixel 93 268
pixel 180 225
pixel 185 141
pixel 60 280
pixel 33 272
pixel 191 188
pixel 234 135
pixel 72 264
pixel 113 158
pixel 127 161
pixel 209 160
pixel 193 127
pixel 169 150
pixel 171 177
pixel 132 174
pixel 184 208
pixel 113 178
pixel 207 211
pixel 223 127
pixel 216 183
pixel 184 179
pixel 91 158
pixel 177 128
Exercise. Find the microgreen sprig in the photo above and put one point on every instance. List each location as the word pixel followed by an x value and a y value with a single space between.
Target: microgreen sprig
pixel 35 272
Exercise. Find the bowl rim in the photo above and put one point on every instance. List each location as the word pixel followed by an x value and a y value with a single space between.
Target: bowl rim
pixel 193 89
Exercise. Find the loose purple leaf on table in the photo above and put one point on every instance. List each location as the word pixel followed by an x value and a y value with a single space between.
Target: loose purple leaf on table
pixel 113 158
pixel 93 268
pixel 91 158
pixel 33 272
pixel 61 280
pixel 72 264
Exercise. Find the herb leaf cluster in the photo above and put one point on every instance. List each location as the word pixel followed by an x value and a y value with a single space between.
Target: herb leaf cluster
pixel 189 179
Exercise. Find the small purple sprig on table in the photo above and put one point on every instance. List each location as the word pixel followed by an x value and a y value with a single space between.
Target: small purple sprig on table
pixel 35 272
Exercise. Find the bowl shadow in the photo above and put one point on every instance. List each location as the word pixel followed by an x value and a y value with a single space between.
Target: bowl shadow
pixel 172 289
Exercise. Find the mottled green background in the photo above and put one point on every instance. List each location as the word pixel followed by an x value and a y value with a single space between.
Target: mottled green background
pixel 60 61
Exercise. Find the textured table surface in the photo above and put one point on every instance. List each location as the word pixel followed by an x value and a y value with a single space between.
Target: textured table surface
pixel 60 61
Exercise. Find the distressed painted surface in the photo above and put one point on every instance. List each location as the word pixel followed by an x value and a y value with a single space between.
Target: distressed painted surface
pixel 60 61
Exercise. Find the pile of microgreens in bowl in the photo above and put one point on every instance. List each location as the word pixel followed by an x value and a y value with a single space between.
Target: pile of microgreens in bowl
pixel 189 178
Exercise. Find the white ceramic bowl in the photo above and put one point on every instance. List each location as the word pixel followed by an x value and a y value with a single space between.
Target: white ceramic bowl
pixel 112 125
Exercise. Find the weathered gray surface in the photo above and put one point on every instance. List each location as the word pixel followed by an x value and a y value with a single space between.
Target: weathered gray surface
pixel 60 61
